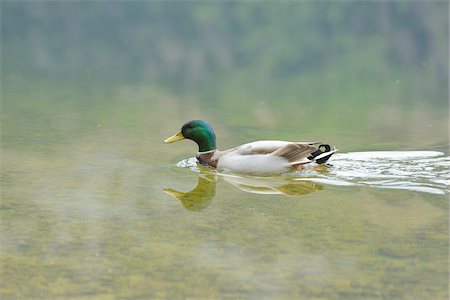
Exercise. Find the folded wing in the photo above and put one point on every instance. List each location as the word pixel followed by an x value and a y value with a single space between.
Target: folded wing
pixel 298 154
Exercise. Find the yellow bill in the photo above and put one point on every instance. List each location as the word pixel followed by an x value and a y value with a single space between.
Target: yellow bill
pixel 177 137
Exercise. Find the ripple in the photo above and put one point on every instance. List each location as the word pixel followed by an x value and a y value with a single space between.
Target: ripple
pixel 421 171
pixel 190 163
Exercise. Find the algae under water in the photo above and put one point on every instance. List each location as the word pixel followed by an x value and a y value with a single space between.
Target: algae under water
pixel 95 206
pixel 99 215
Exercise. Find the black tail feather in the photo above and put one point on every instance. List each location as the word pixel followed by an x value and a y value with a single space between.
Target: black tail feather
pixel 322 149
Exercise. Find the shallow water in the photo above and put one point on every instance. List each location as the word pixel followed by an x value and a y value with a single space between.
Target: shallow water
pixel 95 206
pixel 90 223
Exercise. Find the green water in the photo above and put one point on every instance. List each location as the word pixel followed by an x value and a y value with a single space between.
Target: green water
pixel 87 212
pixel 95 206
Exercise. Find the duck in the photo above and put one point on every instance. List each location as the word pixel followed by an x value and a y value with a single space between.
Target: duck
pixel 262 157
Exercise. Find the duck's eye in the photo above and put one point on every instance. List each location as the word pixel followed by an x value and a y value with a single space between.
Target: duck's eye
pixel 191 125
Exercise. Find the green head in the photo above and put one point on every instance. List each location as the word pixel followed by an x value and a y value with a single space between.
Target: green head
pixel 200 132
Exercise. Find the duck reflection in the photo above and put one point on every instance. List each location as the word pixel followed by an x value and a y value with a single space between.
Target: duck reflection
pixel 271 186
pixel 201 196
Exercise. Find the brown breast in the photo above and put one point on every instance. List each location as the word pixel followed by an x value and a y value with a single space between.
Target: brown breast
pixel 206 159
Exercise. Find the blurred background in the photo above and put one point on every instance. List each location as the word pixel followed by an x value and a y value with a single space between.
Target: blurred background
pixel 362 75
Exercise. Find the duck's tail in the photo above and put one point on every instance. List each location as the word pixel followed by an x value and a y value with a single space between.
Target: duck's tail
pixel 320 155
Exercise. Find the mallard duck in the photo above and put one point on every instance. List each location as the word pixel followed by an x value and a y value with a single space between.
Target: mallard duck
pixel 256 158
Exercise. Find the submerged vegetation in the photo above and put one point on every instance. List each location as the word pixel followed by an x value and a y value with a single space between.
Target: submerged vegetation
pixel 93 204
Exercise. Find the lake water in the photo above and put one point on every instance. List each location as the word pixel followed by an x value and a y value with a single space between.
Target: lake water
pixel 94 205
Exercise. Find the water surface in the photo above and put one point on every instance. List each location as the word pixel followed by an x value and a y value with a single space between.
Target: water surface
pixel 95 206
pixel 113 212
